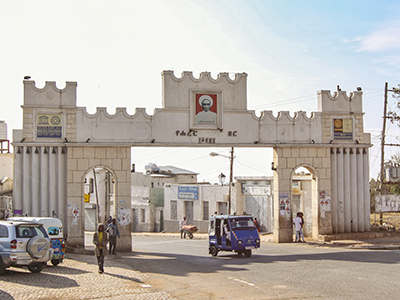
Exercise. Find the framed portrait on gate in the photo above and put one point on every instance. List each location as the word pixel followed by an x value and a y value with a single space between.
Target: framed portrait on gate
pixel 205 109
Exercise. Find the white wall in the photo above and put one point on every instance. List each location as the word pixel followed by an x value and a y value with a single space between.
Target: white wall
pixel 6 165
pixel 211 193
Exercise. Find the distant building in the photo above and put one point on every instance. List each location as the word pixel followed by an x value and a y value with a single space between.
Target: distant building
pixel 197 202
pixel 147 194
pixel 6 173
pixel 255 197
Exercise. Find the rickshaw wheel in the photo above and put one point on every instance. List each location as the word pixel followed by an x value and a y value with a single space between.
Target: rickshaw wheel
pixel 240 252
pixel 55 262
pixel 190 235
pixel 247 253
pixel 213 250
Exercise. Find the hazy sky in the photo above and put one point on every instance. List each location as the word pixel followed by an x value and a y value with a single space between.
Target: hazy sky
pixel 116 51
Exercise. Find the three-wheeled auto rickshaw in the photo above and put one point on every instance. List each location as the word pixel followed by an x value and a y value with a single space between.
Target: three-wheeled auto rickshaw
pixel 232 233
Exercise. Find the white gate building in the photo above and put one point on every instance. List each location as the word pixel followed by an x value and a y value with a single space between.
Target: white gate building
pixel 60 143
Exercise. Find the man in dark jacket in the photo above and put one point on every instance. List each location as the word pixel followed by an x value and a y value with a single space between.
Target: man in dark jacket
pixel 113 233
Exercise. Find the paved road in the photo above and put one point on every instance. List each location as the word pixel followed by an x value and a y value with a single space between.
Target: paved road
pixel 184 269
pixel 171 268
pixel 77 278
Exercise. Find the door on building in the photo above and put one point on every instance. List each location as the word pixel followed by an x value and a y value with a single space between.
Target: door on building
pixel 189 211
pixel 134 220
pixel 258 207
pixel 161 220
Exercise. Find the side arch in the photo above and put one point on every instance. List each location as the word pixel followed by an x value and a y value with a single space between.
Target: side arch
pixel 286 161
pixel 305 197
pixel 116 161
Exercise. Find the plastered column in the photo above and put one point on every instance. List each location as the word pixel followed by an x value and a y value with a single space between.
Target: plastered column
pixel 283 229
pixel 323 195
pixel 318 161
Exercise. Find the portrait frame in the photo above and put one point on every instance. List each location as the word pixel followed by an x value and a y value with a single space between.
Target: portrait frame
pixel 199 118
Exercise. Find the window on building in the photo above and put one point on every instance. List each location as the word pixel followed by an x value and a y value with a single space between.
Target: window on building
pixel 205 210
pixel 142 215
pixel 174 210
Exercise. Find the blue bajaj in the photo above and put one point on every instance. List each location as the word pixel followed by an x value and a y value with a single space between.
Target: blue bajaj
pixel 232 233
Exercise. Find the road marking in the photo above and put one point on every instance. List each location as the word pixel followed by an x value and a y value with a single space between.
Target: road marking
pixel 280 286
pixel 242 281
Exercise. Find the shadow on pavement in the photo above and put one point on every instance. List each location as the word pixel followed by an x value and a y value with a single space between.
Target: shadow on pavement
pixel 182 264
pixel 123 277
pixel 42 280
pixel 60 269
pixel 5 296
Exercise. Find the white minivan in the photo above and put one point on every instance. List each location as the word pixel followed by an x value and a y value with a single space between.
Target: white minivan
pixel 54 229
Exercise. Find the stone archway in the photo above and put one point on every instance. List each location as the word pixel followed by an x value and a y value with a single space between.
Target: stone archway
pixel 287 160
pixel 99 186
pixel 81 160
pixel 304 197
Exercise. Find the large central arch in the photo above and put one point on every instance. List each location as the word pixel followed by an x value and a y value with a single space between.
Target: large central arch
pixel 63 141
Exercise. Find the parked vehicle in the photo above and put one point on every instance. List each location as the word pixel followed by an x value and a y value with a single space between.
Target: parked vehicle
pixel 232 233
pixel 24 244
pixel 54 229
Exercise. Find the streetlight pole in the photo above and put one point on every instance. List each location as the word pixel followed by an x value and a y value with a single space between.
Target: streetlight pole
pixel 230 157
pixel 230 182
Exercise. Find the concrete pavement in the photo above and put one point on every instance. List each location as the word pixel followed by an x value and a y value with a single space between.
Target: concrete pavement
pixel 78 278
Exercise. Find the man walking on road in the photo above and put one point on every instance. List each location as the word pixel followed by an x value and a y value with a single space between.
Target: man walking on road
pixel 113 233
pixel 100 240
pixel 181 224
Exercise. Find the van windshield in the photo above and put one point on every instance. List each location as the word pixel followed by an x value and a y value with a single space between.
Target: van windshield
pixel 242 224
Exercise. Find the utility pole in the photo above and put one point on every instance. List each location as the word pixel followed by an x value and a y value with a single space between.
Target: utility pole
pixel 393 117
pixel 383 134
pixel 383 146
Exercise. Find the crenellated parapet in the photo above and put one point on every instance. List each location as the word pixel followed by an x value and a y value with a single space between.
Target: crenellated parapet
pixel 103 127
pixel 177 91
pixel 49 95
pixel 51 115
pixel 340 102
pixel 286 129
pixel 121 113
